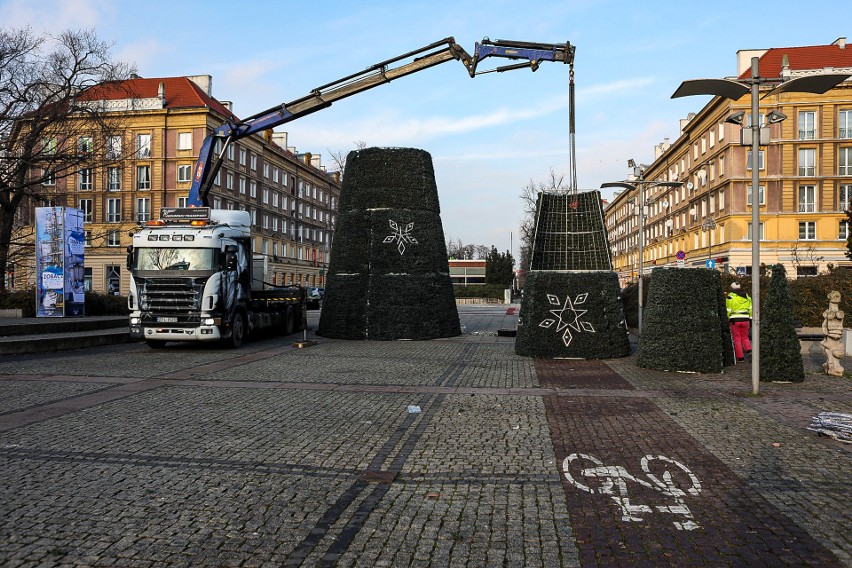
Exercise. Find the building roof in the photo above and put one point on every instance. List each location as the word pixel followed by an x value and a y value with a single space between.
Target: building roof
pixel 802 58
pixel 180 92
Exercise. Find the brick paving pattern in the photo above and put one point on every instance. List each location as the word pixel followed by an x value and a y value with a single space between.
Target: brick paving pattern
pixel 274 456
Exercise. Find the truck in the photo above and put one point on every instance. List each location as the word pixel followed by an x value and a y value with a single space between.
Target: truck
pixel 192 275
pixel 193 278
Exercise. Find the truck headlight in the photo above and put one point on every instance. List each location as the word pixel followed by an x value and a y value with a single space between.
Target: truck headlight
pixel 209 321
pixel 134 321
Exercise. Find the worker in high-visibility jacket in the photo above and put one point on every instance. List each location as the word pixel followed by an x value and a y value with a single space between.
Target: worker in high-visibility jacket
pixel 739 316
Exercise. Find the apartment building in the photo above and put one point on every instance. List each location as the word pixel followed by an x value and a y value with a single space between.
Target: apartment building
pixel 292 199
pixel 805 179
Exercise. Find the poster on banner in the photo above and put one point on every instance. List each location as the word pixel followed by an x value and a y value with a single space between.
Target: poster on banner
pixel 60 268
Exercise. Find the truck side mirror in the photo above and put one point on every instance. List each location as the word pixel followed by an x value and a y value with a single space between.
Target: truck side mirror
pixel 130 258
pixel 230 260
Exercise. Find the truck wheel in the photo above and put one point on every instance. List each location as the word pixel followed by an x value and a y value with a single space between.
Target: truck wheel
pixel 289 322
pixel 238 331
pixel 155 343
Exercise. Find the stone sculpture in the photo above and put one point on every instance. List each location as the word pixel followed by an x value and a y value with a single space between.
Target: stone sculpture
pixel 832 329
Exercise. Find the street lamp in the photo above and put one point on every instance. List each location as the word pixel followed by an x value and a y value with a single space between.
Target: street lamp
pixel 756 135
pixel 640 183
pixel 708 225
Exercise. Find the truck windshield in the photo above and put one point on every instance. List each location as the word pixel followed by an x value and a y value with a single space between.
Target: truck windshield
pixel 175 259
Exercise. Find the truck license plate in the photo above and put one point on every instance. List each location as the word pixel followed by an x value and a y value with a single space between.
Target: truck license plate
pixel 167 319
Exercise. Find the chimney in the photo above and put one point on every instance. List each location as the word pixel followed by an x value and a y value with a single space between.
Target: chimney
pixel 228 105
pixel 840 42
pixel 316 161
pixel 280 138
pixel 161 93
pixel 203 81
pixel 307 157
pixel 785 66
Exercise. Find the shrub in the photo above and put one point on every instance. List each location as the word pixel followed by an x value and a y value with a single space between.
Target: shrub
pixel 97 304
pixel 494 291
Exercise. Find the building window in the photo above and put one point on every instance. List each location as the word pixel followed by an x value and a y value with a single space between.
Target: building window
pixel 807 230
pixel 253 189
pixel 761 194
pixel 143 177
pixel 87 235
pixel 807 125
pixel 113 279
pixel 183 174
pixel 113 239
pixel 275 199
pixel 807 198
pixel 143 146
pixel 85 180
pixel 807 162
pixel 242 186
pixel 759 119
pixel 182 201
pixel 844 161
pixel 114 178
pixel 266 171
pixel 253 163
pixel 275 175
pixel 143 209
pixel 230 152
pixel 113 210
pixel 843 232
pixel 113 147
pixel 759 237
pixel 845 201
pixel 85 205
pixel 229 181
pixel 86 145
pixel 759 160
pixel 265 195
pixel 184 141
pixel 844 123
pixel 242 156
pixel 806 271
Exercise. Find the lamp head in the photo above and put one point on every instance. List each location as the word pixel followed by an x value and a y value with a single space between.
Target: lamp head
pixel 775 116
pixel 631 163
pixel 736 118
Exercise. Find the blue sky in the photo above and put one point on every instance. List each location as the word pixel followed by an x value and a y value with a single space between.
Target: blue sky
pixel 489 136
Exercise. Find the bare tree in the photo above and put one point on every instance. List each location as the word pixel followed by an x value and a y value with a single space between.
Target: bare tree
pixel 804 255
pixel 338 158
pixel 529 198
pixel 51 127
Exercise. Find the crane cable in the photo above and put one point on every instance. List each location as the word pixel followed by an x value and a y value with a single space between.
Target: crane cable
pixel 572 148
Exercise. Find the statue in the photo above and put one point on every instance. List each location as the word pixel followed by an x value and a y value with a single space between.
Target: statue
pixel 832 329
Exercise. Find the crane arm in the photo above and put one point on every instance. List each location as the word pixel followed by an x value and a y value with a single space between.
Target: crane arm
pixel 209 162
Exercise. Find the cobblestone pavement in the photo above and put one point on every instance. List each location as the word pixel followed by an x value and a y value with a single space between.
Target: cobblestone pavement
pixel 452 452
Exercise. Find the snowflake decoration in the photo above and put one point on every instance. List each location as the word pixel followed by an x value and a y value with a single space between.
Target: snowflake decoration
pixel 400 236
pixel 567 317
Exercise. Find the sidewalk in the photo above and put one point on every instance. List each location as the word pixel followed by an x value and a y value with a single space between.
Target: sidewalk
pixel 452 452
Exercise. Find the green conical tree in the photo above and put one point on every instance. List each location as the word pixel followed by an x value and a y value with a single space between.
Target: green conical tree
pixel 780 352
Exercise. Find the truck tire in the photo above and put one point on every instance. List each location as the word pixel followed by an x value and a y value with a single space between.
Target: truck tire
pixel 238 331
pixel 289 322
pixel 155 343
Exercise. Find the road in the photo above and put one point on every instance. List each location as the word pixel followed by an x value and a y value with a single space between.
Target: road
pixel 452 452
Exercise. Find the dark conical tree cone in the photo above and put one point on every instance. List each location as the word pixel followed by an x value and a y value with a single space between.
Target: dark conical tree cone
pixel 681 327
pixel 389 275
pixel 780 350
pixel 570 232
pixel 572 314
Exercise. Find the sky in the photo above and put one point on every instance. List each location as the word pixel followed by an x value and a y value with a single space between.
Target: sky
pixel 489 136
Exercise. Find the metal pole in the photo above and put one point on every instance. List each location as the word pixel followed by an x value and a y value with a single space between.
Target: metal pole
pixel 755 226
pixel 641 201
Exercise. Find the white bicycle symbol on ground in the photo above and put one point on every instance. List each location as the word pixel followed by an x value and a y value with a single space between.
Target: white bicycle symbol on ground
pixel 611 480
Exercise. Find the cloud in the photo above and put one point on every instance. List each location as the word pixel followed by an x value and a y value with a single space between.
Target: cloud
pixel 54 16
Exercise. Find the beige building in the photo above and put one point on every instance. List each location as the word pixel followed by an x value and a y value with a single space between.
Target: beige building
pixel 805 179
pixel 292 199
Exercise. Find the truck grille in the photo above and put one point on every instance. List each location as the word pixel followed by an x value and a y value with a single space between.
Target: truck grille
pixel 177 299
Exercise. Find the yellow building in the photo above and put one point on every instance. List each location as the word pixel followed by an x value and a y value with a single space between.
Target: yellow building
pixel 292 199
pixel 805 179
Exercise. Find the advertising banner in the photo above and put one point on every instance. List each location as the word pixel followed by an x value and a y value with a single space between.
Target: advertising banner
pixel 59 262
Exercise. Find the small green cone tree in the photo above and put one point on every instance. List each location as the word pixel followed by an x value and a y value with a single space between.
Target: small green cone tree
pixel 780 351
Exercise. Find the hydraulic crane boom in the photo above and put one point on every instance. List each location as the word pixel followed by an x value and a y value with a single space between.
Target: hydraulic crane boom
pixel 209 161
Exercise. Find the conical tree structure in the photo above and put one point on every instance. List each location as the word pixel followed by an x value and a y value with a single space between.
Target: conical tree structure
pixel 389 277
pixel 571 305
pixel 684 327
pixel 780 351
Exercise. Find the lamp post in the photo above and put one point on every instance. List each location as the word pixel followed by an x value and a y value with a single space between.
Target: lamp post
pixel 708 225
pixel 640 183
pixel 755 136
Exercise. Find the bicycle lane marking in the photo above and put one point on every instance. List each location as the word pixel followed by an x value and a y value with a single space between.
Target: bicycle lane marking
pixel 640 489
